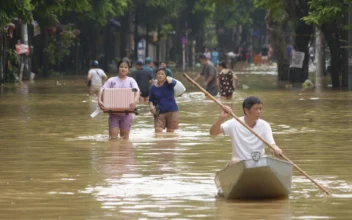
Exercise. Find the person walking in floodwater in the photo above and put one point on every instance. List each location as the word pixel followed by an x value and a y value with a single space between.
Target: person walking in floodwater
pixel 168 70
pixel 144 80
pixel 95 78
pixel 207 53
pixel 209 73
pixel 244 142
pixel 225 81
pixel 215 57
pixel 162 102
pixel 121 123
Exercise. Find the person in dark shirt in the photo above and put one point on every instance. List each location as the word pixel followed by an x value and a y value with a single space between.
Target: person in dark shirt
pixel 162 102
pixel 144 79
pixel 168 70
pixel 265 52
pixel 210 75
pixel 149 66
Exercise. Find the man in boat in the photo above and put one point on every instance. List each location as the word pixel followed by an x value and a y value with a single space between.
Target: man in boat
pixel 244 143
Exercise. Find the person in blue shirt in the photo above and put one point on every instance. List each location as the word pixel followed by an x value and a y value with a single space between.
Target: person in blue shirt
pixel 215 57
pixel 168 70
pixel 162 103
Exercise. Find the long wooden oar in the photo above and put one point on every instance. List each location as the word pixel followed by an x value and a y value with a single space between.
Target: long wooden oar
pixel 251 130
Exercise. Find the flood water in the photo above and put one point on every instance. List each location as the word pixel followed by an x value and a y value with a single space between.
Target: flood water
pixel 57 162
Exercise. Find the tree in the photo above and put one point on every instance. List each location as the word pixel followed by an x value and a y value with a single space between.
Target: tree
pixel 10 9
pixel 153 15
pixel 276 22
pixel 303 35
pixel 87 16
pixel 232 16
pixel 329 17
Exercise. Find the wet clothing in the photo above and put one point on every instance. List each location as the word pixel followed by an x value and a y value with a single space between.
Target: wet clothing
pixel 215 57
pixel 121 120
pixel 167 120
pixel 96 76
pixel 207 55
pixel 150 70
pixel 164 97
pixel 226 83
pixel 142 78
pixel 265 51
pixel 244 142
pixel 169 72
pixel 116 82
pixel 209 70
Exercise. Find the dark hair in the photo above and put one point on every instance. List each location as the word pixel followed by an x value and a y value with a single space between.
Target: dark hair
pixel 202 57
pixel 249 102
pixel 160 68
pixel 123 61
pixel 129 63
pixel 223 64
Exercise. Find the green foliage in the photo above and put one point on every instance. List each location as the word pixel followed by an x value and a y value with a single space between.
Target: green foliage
pixel 156 12
pixel 59 47
pixel 12 75
pixel 12 56
pixel 322 11
pixel 210 36
pixel 276 8
pixel 100 12
pixel 234 12
pixel 47 12
pixel 165 29
pixel 10 9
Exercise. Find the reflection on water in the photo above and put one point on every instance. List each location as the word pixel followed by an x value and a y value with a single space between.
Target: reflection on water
pixel 57 162
pixel 265 210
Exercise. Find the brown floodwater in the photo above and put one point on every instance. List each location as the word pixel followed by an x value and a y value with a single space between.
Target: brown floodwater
pixel 57 162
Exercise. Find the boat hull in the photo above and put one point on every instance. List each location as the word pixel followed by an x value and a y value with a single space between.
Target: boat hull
pixel 265 178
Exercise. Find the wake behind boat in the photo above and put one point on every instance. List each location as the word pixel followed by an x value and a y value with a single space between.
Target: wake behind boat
pixel 265 178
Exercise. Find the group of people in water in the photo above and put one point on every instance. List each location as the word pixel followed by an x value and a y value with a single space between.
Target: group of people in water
pixel 157 87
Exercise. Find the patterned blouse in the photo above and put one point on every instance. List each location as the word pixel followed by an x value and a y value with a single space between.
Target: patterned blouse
pixel 226 83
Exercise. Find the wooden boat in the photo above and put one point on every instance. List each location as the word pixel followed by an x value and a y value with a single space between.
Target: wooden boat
pixel 265 178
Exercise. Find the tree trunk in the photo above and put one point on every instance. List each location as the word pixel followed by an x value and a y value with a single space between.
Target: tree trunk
pixel 303 32
pixel 136 38
pixel 344 54
pixel 331 37
pixel 45 51
pixel 320 59
pixel 2 56
pixel 77 56
pixel 124 35
pixel 278 44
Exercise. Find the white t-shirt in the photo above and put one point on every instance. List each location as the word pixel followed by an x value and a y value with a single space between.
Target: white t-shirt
pixel 245 142
pixel 96 77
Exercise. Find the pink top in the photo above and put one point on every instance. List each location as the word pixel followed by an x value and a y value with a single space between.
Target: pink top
pixel 116 82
